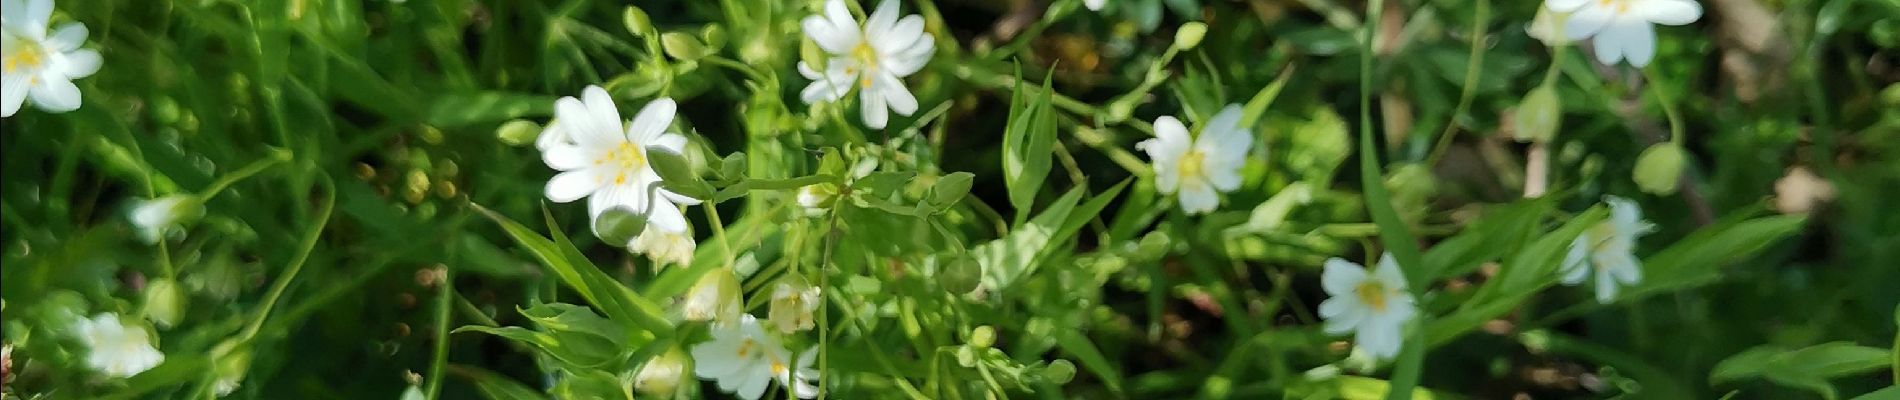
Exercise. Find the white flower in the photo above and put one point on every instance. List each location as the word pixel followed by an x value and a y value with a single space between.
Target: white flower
pixel 793 303
pixel 115 349
pixel 1608 249
pixel 664 247
pixel 1622 27
pixel 744 359
pixel 1199 167
pixel 39 66
pixel 875 58
pixel 1374 306
pixel 660 376
pixel 1094 5
pixel 608 166
pixel 156 217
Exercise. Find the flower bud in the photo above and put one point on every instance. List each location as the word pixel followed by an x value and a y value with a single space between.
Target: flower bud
pixel 793 303
pixel 636 21
pixel 816 198
pixel 714 298
pixel 518 132
pixel 1537 116
pixel 1659 167
pixel 231 362
pixel 664 247
pixel 158 217
pixel 983 336
pixel 1189 35
pixel 619 225
pixel 164 302
pixel 660 376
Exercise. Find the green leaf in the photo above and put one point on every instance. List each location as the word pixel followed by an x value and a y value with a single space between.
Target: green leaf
pixel 1256 106
pixel 570 351
pixel 1889 393
pixel 1697 259
pixel 950 189
pixel 459 110
pixel 1519 277
pixel 495 386
pixel 1499 231
pixel 1816 363
pixel 578 273
pixel 1085 351
pixel 1028 142
pixel 177 369
pixel 1012 257
pixel 683 46
pixel 676 172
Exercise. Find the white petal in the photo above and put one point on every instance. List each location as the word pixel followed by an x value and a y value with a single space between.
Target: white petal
pixel 1224 175
pixel 582 127
pixel 1671 12
pixel 908 61
pixel 551 135
pixel 840 16
pixel 901 36
pixel 1341 277
pixel 821 90
pixel 899 97
pixel 652 120
pixel 871 107
pixel 1388 272
pixel 13 12
pixel 1639 41
pixel 1350 315
pixel 601 108
pixel 1172 133
pixel 1198 198
pixel 12 93
pixel 827 36
pixel 54 95
pixel 1565 5
pixel 68 37
pixel 572 185
pixel 881 21
pixel 37 14
pixel 667 217
pixel 1576 264
pixel 1626 269
pixel 671 141
pixel 566 157
pixel 631 196
pixel 1094 5
pixel 1606 287
pixel 754 384
pixel 79 63
pixel 1587 21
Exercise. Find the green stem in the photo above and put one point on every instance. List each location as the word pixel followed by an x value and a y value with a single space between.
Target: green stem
pixel 1669 108
pixel 736 66
pixel 444 302
pixel 1473 64
pixel 719 231
pixel 308 243
pixel 242 173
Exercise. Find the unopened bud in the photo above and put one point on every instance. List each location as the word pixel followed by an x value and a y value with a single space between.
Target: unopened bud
pixel 1659 167
pixel 165 302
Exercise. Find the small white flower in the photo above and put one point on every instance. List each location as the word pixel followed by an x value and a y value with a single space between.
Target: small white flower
pixel 607 165
pixel 38 66
pixel 744 359
pixel 660 376
pixel 1609 250
pixel 157 217
pixel 1199 167
pixel 1094 5
pixel 1373 305
pixel 115 349
pixel 874 58
pixel 1622 27
pixel 664 247
pixel 793 304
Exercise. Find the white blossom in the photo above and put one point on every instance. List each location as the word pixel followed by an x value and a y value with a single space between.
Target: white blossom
pixel 115 349
pixel 1623 28
pixel 1372 304
pixel 1608 249
pixel 873 57
pixel 743 358
pixel 1199 168
pixel 605 161
pixel 38 66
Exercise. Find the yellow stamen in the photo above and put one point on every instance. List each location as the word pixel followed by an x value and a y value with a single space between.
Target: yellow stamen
pixel 1192 164
pixel 28 55
pixel 1372 293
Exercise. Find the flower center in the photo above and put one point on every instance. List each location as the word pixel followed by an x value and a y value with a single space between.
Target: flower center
pixel 1621 6
pixel 27 55
pixel 1372 293
pixel 1191 164
pixel 778 367
pixel 745 348
pixel 625 159
pixel 867 59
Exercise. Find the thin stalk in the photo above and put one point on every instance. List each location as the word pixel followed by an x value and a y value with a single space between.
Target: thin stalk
pixel 308 243
pixel 1669 108
pixel 242 173
pixel 444 302
pixel 1473 64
